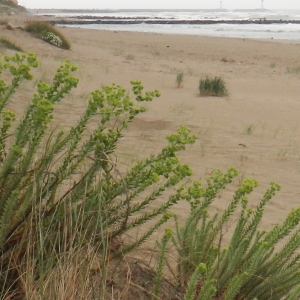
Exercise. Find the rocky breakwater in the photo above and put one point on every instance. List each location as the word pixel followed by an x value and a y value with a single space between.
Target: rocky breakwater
pixel 104 20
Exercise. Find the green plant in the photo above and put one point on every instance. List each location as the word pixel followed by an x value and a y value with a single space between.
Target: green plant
pixel 272 65
pixel 10 45
pixel 129 57
pixel 62 192
pixel 251 265
pixel 156 53
pixel 249 129
pixel 212 87
pixel 179 79
pixel 293 70
pixel 48 33
pixel 162 246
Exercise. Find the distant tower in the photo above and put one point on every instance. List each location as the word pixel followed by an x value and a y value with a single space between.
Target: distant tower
pixel 221 5
pixel 262 4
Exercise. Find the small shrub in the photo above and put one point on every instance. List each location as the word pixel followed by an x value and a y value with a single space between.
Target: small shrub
pixel 213 87
pixel 10 45
pixel 179 79
pixel 272 65
pixel 48 33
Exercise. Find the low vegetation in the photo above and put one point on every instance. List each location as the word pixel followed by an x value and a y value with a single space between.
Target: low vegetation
pixel 65 205
pixel 48 33
pixel 213 87
pixel 179 79
pixel 295 70
pixel 10 45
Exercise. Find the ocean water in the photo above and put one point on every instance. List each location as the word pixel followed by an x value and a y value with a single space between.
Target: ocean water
pixel 286 30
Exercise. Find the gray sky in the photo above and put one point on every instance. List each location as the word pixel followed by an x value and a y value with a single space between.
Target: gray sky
pixel 160 4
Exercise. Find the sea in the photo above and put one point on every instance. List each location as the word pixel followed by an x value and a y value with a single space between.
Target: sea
pixel 220 23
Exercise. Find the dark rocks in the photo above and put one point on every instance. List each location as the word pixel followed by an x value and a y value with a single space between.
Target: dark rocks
pixel 114 20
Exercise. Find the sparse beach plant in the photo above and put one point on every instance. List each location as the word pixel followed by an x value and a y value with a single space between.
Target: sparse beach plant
pixel 48 33
pixel 215 87
pixel 156 53
pixel 179 79
pixel 272 65
pixel 10 45
pixel 293 70
pixel 129 57
pixel 249 129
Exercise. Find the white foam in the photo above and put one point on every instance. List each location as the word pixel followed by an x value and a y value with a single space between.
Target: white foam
pixel 265 31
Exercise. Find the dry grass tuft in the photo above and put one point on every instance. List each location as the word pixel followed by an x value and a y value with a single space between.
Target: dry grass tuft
pixel 48 33
pixel 10 45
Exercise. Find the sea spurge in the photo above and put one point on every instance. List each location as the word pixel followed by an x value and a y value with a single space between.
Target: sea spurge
pixel 247 186
pixel 280 231
pixel 137 89
pixel 19 65
pixel 179 140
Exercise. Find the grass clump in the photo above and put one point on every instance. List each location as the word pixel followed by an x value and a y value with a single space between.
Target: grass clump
pixel 293 70
pixel 249 129
pixel 212 87
pixel 179 79
pixel 10 45
pixel 48 33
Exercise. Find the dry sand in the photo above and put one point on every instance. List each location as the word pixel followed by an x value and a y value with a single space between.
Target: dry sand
pixel 255 129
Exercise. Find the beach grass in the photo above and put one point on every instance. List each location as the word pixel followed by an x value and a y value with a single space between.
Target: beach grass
pixel 179 79
pixel 215 87
pixel 48 33
pixel 293 70
pixel 10 45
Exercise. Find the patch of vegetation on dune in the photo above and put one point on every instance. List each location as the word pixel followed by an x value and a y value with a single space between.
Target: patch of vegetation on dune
pixel 48 33
pixel 10 45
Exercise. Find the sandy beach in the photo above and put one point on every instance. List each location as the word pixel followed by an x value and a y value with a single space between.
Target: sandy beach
pixel 255 129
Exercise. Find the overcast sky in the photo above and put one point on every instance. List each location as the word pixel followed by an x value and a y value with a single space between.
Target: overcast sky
pixel 160 4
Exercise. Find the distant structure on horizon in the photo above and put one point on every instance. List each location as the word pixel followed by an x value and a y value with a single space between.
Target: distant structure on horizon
pixel 262 4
